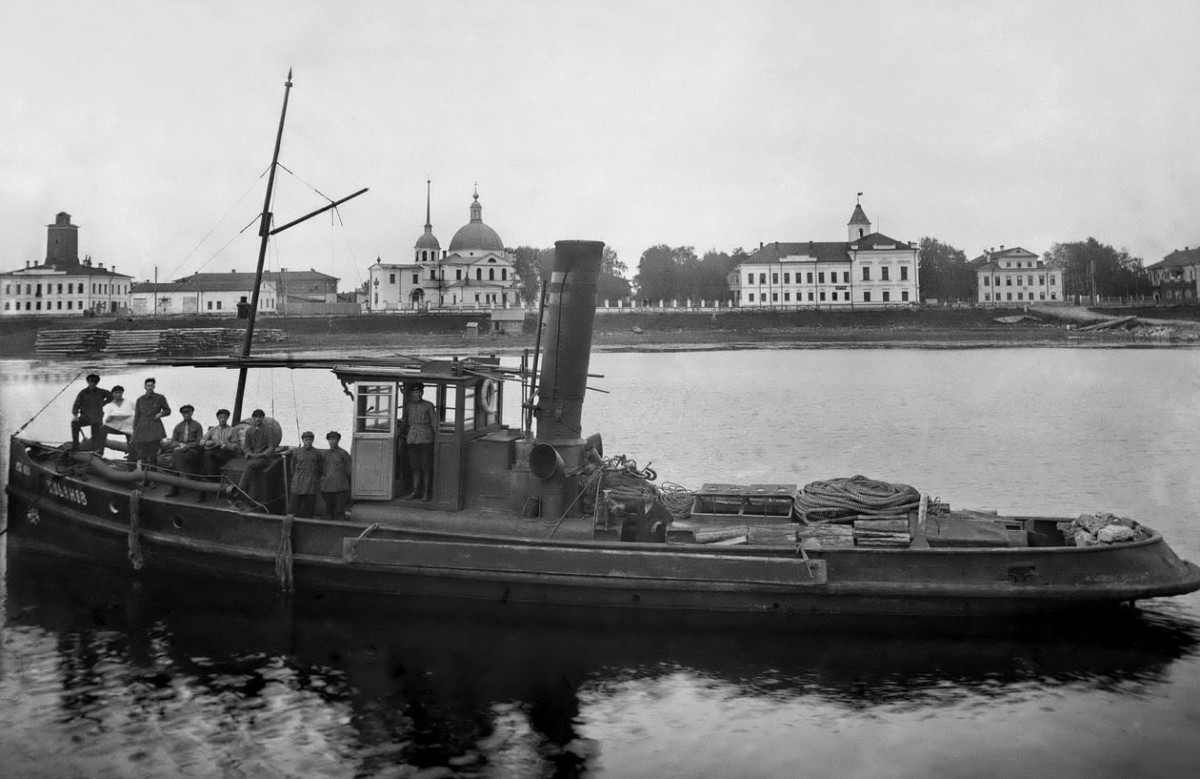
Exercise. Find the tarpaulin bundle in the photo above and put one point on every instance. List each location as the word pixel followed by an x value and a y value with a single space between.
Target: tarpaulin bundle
pixel 856 496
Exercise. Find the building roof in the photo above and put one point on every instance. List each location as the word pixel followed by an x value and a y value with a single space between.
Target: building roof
pixel 859 217
pixel 1178 259
pixel 1013 251
pixel 824 251
pixel 76 269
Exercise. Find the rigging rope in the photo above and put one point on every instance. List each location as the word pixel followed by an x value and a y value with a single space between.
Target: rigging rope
pixel 135 542
pixel 283 557
pixel 43 408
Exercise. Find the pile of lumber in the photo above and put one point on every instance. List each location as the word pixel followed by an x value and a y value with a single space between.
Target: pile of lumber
pixel 70 341
pixel 733 535
pixel 890 532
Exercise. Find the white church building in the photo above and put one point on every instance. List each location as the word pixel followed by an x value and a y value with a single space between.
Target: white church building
pixel 475 272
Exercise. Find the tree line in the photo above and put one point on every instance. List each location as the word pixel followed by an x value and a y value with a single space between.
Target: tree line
pixel 677 273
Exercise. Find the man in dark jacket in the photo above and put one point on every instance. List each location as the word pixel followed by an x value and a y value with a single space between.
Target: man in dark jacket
pixel 88 410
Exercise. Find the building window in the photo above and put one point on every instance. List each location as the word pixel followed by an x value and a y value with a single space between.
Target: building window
pixel 1008 295
pixel 774 297
pixel 504 277
pixel 478 277
pixel 1008 283
pixel 904 296
pixel 822 297
pixel 491 274
pixel 218 305
pixel 810 282
pixel 904 273
pixel 866 274
pixel 1041 281
pixel 7 289
pixel 787 297
pixel 887 296
pixel 986 280
pixel 749 278
pixel 762 278
pixel 787 278
pixel 1031 281
pixel 416 278
pixel 210 306
pixel 821 278
pixel 883 274
pixel 846 277
pixel 866 297
pixel 986 297
pixel 751 297
pixel 1052 279
pixel 391 278
pixel 1019 280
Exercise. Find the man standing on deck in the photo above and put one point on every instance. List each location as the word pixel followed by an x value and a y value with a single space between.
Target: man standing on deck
pixel 335 479
pixel 118 418
pixel 148 430
pixel 422 424
pixel 306 477
pixel 88 411
pixel 185 445
pixel 257 448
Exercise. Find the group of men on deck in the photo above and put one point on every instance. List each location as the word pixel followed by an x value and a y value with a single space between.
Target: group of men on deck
pixel 195 451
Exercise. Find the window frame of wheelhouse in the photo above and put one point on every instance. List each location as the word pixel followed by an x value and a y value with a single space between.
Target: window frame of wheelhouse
pixel 457 393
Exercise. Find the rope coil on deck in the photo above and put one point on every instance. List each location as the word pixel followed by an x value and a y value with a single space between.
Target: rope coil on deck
pixel 283 556
pixel 834 499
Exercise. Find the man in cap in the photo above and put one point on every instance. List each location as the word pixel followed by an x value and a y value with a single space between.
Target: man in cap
pixel 335 478
pixel 219 445
pixel 257 448
pixel 420 419
pixel 185 446
pixel 88 411
pixel 306 477
pixel 148 430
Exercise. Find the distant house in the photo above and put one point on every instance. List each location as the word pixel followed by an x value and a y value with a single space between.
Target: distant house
pixel 1176 278
pixel 216 294
pixel 475 272
pixel 63 285
pixel 868 270
pixel 1016 276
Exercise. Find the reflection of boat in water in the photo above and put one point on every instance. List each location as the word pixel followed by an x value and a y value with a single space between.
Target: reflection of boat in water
pixel 518 515
pixel 427 683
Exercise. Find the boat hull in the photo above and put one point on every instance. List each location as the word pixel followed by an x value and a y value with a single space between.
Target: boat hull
pixel 106 523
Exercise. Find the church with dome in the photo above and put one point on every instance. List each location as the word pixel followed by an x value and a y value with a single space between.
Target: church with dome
pixel 475 271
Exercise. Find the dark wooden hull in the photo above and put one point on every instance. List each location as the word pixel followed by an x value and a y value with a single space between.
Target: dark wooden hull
pixel 92 519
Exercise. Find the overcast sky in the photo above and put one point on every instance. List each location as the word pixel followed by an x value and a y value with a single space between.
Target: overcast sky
pixel 711 124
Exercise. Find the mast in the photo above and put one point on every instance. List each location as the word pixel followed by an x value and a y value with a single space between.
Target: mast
pixel 264 231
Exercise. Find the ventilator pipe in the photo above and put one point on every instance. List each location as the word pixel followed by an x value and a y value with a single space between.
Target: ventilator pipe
pixel 546 465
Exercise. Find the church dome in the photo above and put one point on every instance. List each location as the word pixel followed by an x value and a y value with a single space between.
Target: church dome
pixel 428 241
pixel 475 235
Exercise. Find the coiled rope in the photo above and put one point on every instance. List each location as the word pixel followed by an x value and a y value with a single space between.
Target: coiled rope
pixel 353 547
pixel 623 481
pixel 283 557
pixel 834 499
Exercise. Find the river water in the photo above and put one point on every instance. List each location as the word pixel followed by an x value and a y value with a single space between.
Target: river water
pixel 105 675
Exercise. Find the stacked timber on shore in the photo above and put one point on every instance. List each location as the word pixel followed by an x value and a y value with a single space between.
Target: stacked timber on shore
pixel 174 341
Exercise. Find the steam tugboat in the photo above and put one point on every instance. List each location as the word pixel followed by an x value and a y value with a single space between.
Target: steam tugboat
pixel 536 514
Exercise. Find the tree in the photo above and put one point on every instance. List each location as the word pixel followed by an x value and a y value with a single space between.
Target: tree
pixel 612 285
pixel 1093 268
pixel 944 272
pixel 655 278
pixel 714 274
pixel 531 266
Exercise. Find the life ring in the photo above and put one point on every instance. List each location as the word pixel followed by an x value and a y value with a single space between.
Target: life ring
pixel 488 395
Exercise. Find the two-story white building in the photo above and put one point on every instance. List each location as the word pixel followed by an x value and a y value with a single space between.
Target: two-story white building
pixel 63 285
pixel 868 270
pixel 476 271
pixel 1176 278
pixel 1016 276
pixel 216 294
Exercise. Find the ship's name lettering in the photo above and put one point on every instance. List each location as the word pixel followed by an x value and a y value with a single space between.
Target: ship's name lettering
pixel 72 494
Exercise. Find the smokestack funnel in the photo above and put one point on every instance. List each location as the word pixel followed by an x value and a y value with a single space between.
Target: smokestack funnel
pixel 571 312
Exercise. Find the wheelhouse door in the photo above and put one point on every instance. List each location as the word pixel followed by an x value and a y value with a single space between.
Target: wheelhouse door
pixel 374 448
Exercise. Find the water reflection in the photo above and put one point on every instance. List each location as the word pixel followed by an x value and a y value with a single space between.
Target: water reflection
pixel 170 675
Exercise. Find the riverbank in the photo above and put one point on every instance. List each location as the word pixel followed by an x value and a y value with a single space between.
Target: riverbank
pixel 927 327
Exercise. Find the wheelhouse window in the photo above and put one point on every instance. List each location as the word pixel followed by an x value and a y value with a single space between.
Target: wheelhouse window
pixel 376 408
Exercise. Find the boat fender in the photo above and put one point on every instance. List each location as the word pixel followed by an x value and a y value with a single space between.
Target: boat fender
pixel 488 395
pixel 545 462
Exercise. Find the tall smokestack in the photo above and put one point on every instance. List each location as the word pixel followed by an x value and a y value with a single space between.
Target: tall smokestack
pixel 571 311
